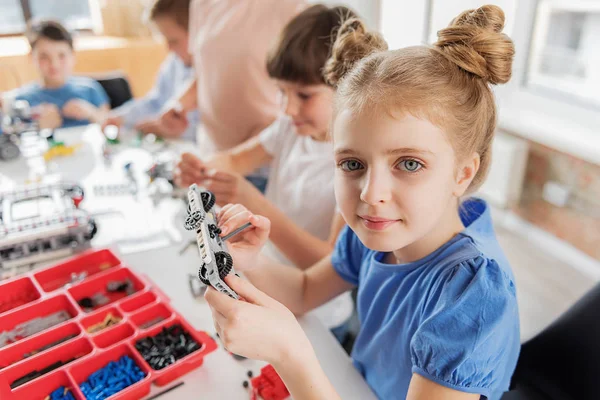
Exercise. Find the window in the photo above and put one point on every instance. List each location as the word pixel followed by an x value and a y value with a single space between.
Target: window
pixel 563 60
pixel 12 19
pixel 74 14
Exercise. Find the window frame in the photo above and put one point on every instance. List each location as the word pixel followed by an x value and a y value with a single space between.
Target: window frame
pixel 27 16
pixel 543 10
pixel 557 121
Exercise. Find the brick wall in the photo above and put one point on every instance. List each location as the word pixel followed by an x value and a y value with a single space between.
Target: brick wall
pixel 578 223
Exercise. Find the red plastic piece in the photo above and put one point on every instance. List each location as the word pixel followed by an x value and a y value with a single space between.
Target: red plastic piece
pixel 90 262
pixel 44 308
pixel 10 355
pixel 16 293
pixel 77 200
pixel 97 285
pixel 268 385
pixel 149 317
pixel 92 351
pixel 114 335
pixel 138 301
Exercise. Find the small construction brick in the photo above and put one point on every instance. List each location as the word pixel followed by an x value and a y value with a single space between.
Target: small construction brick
pixel 165 348
pixel 109 320
pixel 269 386
pixel 18 299
pixel 32 327
pixel 37 373
pixel 114 377
pixel 62 393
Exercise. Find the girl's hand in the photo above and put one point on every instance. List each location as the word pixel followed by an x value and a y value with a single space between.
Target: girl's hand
pixel 246 246
pixel 229 188
pixel 257 327
pixel 190 169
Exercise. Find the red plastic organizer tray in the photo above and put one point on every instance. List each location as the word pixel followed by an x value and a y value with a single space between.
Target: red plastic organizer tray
pixel 143 313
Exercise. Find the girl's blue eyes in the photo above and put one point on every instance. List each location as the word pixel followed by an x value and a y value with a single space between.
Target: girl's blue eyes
pixel 350 165
pixel 409 165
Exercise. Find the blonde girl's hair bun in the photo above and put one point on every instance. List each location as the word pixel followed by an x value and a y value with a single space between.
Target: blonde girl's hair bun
pixel 353 43
pixel 474 42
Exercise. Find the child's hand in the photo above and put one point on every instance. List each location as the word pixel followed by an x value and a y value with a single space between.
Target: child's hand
pixel 246 246
pixel 258 327
pixel 190 169
pixel 151 126
pixel 79 109
pixel 174 121
pixel 112 120
pixel 229 188
pixel 48 116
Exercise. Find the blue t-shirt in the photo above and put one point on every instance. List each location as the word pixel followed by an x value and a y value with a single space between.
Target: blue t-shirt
pixel 450 317
pixel 75 88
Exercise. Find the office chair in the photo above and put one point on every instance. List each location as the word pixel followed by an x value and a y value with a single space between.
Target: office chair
pixel 563 361
pixel 116 86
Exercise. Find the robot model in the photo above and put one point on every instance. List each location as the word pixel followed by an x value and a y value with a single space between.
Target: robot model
pixel 217 263
pixel 40 222
pixel 18 120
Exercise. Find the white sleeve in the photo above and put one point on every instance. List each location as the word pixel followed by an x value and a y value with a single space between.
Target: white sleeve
pixel 273 137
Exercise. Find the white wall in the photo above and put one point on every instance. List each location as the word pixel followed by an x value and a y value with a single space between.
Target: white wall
pixel 443 11
pixel 403 23
pixel 367 9
pixel 408 23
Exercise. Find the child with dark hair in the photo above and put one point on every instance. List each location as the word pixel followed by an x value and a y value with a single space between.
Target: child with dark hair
pixel 299 198
pixel 60 99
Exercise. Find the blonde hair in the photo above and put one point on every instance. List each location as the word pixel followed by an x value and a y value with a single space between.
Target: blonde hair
pixel 447 83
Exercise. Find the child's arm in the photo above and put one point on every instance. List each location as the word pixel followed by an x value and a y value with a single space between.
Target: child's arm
pixel 99 114
pixel 242 159
pixel 301 247
pixel 299 290
pixel 80 109
pixel 174 115
pixel 421 388
pixel 261 328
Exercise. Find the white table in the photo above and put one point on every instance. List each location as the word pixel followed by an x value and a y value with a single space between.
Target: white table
pixel 158 228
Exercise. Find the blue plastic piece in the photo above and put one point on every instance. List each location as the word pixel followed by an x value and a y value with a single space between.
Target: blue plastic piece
pixel 111 379
pixel 62 393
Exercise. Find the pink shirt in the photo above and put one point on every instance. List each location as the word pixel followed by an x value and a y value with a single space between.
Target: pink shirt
pixel 229 40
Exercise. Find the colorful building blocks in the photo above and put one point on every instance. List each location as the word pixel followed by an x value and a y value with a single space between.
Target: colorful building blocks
pixel 114 377
pixel 268 385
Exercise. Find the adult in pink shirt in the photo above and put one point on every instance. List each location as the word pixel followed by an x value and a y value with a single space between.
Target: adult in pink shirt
pixel 229 41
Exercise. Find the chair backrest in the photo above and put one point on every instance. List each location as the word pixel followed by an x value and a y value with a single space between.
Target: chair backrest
pixel 563 361
pixel 116 86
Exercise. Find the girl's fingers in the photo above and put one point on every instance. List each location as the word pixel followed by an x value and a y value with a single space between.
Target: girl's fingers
pixel 219 176
pixel 223 210
pixel 192 161
pixel 217 186
pixel 229 211
pixel 235 221
pixel 191 169
pixel 248 291
pixel 220 302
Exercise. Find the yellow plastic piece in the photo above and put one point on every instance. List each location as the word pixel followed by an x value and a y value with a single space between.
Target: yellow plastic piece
pixel 60 151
